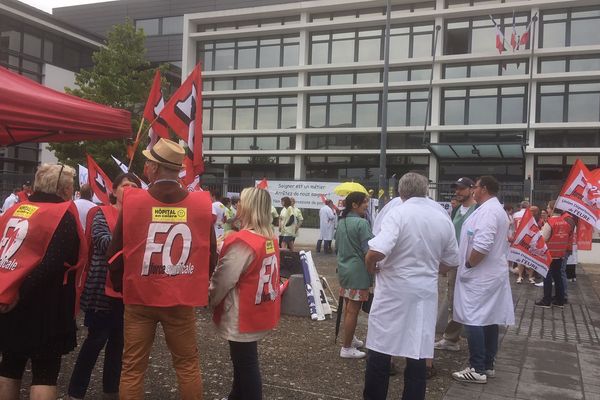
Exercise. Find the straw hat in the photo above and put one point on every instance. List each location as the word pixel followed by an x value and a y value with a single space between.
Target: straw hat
pixel 166 153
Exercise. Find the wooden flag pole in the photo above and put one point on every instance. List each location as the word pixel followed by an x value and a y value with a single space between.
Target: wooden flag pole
pixel 137 141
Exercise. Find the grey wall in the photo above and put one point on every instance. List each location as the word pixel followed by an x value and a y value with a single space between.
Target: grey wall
pixel 100 17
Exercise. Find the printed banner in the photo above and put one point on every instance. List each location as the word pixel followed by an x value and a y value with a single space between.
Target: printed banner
pixel 529 247
pixel 580 195
pixel 308 195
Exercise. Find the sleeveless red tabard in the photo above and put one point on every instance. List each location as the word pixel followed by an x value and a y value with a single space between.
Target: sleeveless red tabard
pixel 111 214
pixel 258 287
pixel 27 229
pixel 560 240
pixel 166 249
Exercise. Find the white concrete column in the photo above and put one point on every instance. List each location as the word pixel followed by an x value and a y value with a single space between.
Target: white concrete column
pixel 304 48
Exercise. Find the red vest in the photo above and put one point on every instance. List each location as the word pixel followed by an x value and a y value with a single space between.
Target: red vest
pixel 258 287
pixel 560 241
pixel 166 249
pixel 27 229
pixel 111 214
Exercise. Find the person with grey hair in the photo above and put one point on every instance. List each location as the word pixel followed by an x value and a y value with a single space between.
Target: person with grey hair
pixel 37 299
pixel 416 241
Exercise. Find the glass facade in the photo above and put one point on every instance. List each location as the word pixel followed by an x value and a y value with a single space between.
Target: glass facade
pixel 318 88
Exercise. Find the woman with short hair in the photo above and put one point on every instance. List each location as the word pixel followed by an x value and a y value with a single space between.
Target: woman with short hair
pixel 244 291
pixel 37 298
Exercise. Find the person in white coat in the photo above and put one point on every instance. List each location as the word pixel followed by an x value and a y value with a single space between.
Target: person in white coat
pixel 327 219
pixel 415 243
pixel 482 296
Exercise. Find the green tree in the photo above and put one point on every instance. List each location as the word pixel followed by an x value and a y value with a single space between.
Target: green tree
pixel 121 77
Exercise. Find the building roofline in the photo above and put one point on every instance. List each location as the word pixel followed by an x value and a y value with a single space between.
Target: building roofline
pixel 42 18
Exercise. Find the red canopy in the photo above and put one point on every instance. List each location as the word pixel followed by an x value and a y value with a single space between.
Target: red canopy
pixel 30 112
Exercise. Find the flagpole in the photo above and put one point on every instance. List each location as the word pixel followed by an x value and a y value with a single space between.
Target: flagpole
pixel 137 141
pixel 529 94
pixel 384 106
pixel 530 90
pixel 429 95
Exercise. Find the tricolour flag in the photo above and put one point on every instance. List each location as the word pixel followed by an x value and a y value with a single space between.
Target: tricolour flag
pixel 183 113
pixel 499 37
pixel 99 181
pixel 154 106
pixel 580 195
pixel 514 40
pixel 524 39
pixel 529 247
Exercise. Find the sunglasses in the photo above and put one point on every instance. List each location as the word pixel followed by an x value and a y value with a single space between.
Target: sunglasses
pixel 62 167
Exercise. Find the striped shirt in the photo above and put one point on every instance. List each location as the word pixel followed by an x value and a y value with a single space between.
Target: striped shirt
pixel 93 297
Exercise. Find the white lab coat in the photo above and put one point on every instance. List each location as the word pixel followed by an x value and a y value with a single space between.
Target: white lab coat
pixel 326 223
pixel 415 237
pixel 218 210
pixel 10 201
pixel 482 295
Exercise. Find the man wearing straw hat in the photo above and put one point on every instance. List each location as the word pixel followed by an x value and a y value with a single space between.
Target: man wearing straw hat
pixel 168 244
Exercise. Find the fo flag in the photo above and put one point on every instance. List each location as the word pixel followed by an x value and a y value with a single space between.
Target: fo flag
pixel 529 247
pixel 584 235
pixel 183 113
pixel 99 181
pixel 154 106
pixel 580 195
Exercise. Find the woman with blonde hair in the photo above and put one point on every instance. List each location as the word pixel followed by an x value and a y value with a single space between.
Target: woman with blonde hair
pixel 244 290
pixel 37 299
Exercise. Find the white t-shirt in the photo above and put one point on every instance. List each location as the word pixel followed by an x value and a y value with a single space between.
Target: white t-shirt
pixel 83 207
pixel 218 210
pixel 463 210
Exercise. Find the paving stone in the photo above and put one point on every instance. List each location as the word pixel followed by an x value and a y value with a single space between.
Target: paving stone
pixel 460 393
pixel 504 384
pixel 536 391
pixel 541 377
pixel 591 388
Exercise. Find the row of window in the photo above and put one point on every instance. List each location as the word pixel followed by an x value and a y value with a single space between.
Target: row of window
pixel 564 102
pixel 461 36
pixel 250 113
pixel 161 26
pixel 249 142
pixel 249 24
pixel 467 3
pixel 25 49
pixel 579 138
pixel 281 51
pixel 372 12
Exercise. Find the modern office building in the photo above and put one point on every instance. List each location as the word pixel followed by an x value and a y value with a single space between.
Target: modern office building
pixel 294 90
pixel 37 45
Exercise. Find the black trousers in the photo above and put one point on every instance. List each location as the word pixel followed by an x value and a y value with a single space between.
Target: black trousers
pixel 247 383
pixel 326 246
pixel 377 377
pixel 44 368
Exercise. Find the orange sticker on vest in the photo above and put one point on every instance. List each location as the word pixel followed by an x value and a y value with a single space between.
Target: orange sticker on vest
pixel 25 211
pixel 269 247
pixel 169 214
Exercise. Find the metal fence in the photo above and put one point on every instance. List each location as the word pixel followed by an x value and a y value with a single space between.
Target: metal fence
pixel 10 181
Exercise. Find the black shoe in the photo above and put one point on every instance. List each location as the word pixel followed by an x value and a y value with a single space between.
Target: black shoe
pixel 558 304
pixel 543 304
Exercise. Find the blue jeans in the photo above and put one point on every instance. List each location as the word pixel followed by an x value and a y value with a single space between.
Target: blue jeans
pixel 554 274
pixel 105 328
pixel 483 346
pixel 377 377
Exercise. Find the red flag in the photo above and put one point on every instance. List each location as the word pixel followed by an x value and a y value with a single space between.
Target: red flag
pixel 183 113
pixel 499 37
pixel 263 184
pixel 154 106
pixel 529 247
pixel 98 181
pixel 580 195
pixel 584 235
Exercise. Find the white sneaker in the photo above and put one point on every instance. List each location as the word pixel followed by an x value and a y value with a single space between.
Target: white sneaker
pixel 351 352
pixel 490 373
pixel 519 280
pixel 356 343
pixel 444 344
pixel 470 376
pixel 540 284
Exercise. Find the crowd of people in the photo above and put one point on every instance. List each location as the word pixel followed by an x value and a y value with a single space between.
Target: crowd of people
pixel 154 255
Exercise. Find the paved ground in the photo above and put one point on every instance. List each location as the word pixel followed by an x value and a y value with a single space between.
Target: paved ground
pixel 550 353
pixel 539 358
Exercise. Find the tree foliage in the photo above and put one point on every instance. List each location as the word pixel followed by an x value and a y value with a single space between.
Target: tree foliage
pixel 121 78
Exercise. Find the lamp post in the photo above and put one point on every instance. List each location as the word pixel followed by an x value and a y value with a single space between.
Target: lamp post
pixel 384 107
